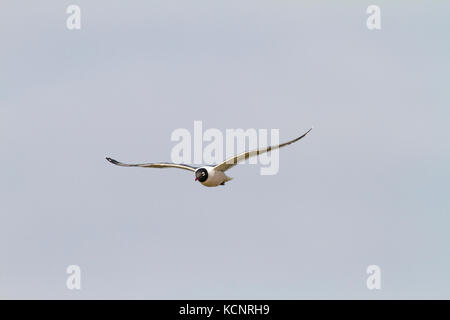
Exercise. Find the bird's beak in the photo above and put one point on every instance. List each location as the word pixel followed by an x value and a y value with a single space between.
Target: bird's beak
pixel 196 179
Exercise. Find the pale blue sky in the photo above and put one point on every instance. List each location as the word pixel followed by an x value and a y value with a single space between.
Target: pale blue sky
pixel 369 185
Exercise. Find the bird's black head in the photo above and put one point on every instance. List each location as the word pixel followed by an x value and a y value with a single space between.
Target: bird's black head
pixel 201 175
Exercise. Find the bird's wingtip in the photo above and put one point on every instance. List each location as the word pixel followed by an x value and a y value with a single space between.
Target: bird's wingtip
pixel 112 160
pixel 309 130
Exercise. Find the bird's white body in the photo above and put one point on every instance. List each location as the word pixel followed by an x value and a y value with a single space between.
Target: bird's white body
pixel 215 177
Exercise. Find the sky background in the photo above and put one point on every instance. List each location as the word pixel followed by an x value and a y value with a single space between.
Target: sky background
pixel 369 185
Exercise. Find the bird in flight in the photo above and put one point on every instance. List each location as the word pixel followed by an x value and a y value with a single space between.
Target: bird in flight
pixel 210 176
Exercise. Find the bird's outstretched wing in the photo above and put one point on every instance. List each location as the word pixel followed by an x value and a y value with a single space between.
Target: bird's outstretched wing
pixel 153 165
pixel 231 162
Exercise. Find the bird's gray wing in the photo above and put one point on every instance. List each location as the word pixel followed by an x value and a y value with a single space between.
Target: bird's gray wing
pixel 231 162
pixel 153 165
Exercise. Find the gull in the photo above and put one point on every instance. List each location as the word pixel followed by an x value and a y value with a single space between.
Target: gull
pixel 211 176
